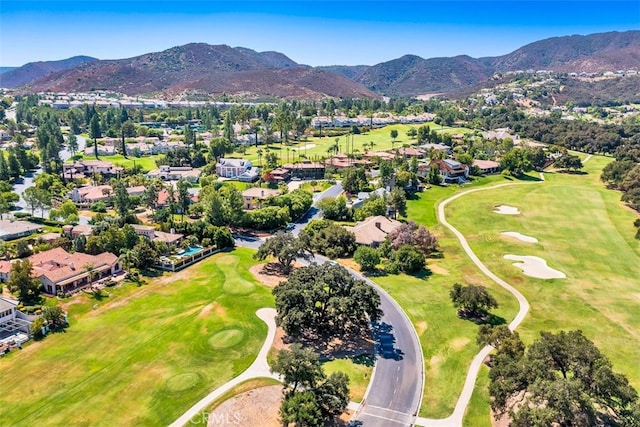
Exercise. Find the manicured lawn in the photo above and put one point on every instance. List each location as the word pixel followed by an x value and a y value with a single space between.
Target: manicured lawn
pixel 583 231
pixel 147 163
pixel 559 212
pixel 143 355
pixel 357 369
pixel 315 148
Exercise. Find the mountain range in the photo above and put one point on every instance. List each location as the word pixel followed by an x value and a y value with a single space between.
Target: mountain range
pixel 217 69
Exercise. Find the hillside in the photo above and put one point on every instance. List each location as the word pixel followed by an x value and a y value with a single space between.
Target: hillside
pixel 207 69
pixel 213 70
pixel 411 75
pixel 593 53
pixel 33 70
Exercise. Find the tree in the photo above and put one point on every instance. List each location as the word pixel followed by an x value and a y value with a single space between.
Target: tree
pixel 472 301
pixel 562 379
pixel 334 208
pixel 406 259
pixel 368 258
pixel 13 166
pixel 285 247
pixel 394 134
pixel 329 239
pixel 22 281
pixel 354 180
pixel 311 397
pixel 386 172
pixel 121 199
pixel 325 301
pixel 299 367
pixel 184 198
pixel 412 133
pixel 223 238
pixel 434 177
pixel 301 409
pixel 516 161
pixel 55 317
pixel 374 205
pixel 568 161
pixel 147 255
pixel 94 132
pixel 72 143
pixel 150 195
pixel 214 209
pixel 411 234
pixel 398 201
pixel 4 168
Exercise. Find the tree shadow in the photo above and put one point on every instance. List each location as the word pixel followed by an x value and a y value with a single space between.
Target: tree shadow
pixel 482 318
pixel 525 177
pixel 423 274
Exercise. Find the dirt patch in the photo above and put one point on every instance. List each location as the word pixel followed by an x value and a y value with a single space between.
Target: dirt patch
pixel 258 407
pixel 421 327
pixel 213 307
pixel 436 269
pixel 279 340
pixel 271 274
pixel 459 343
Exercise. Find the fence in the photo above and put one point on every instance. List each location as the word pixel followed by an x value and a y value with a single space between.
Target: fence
pixel 184 262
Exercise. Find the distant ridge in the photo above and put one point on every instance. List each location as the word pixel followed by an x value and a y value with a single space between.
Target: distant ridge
pixel 33 70
pixel 5 69
pixel 218 69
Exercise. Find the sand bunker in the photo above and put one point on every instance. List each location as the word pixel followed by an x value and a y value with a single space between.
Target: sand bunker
pixel 520 237
pixel 534 266
pixel 506 210
pixel 306 146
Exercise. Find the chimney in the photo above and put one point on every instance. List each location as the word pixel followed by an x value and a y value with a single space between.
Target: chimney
pixel 71 266
pixel 379 225
pixel 262 193
pixel 172 231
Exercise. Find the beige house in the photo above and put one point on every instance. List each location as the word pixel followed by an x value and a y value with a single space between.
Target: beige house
pixel 373 230
pixel 60 271
pixel 253 197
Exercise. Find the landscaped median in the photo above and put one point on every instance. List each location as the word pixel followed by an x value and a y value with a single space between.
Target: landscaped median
pixel 155 349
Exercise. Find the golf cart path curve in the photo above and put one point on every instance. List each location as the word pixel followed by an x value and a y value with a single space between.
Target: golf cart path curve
pixel 258 369
pixel 456 418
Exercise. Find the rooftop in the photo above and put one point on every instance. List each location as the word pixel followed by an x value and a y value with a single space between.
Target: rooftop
pixel 11 227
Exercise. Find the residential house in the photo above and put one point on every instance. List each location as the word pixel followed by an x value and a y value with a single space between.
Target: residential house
pixel 487 167
pixel 409 152
pixel 163 199
pixel 62 272
pixel 382 155
pixel 341 161
pixel 11 229
pixel 232 168
pixel 363 195
pixel 73 231
pixel 451 171
pixel 103 150
pixel 253 197
pixel 155 235
pixel 170 173
pixel 99 193
pixel 373 230
pixel 281 174
pixel 5 270
pixel 13 323
pixel 305 170
pixel 85 168
pixel 436 147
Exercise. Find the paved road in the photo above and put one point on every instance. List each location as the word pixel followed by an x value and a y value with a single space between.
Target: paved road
pixel 395 390
pixel 29 179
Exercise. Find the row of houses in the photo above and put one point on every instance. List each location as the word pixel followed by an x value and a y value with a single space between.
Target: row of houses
pixel 154 146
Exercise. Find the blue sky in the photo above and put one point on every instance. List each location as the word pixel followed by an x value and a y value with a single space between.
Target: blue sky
pixel 309 32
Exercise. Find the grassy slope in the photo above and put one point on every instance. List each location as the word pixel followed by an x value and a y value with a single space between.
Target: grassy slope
pixel 152 350
pixel 583 231
pixel 357 370
pixel 448 342
pixel 146 162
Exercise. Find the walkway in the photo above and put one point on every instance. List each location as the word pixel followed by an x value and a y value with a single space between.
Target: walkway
pixel 258 369
pixel 456 418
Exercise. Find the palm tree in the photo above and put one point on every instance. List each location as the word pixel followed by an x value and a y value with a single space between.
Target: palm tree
pixel 88 268
pixel 259 156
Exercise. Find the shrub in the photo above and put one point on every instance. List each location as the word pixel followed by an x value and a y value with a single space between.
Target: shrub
pixel 368 258
pixel 409 259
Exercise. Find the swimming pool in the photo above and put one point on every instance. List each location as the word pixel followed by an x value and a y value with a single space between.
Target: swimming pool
pixel 191 250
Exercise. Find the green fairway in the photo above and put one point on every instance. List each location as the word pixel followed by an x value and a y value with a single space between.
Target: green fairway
pixel 559 212
pixel 585 232
pixel 315 148
pixel 144 355
pixel 147 163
